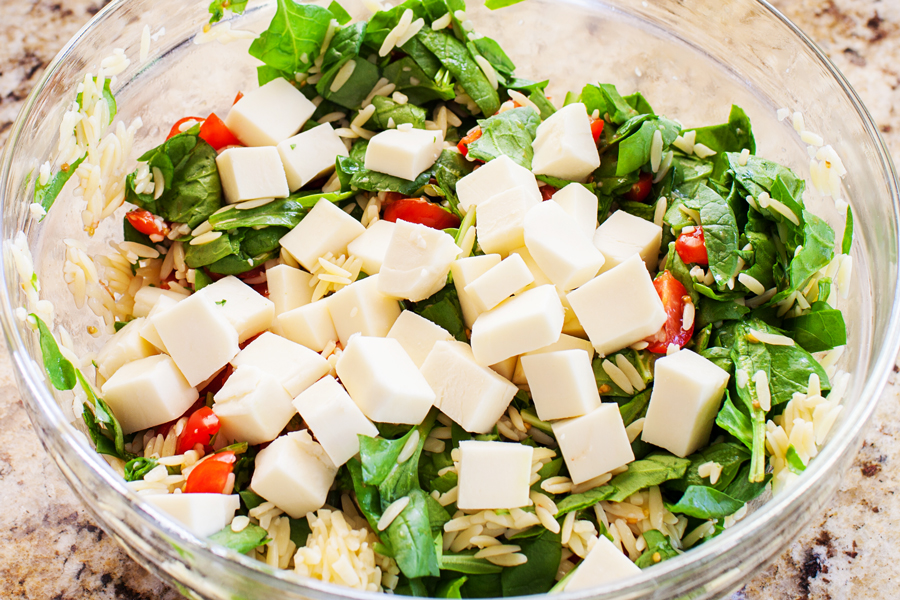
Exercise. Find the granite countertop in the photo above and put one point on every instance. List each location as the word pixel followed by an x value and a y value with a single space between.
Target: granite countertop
pixel 51 548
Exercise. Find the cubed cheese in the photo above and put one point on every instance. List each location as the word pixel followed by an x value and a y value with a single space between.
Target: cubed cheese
pixel 270 114
pixel 288 288
pixel 251 174
pixel 246 309
pixel 493 475
pixel 472 395
pixel 605 563
pixel 687 392
pixel 540 278
pixel 310 155
pixel 465 271
pixel 148 331
pixel 527 322
pixel 201 514
pixel 619 307
pixel 325 229
pixel 252 406
pixel 125 346
pixel 506 368
pixel 562 383
pixel 148 392
pixel 416 262
pixel 510 277
pixel 494 177
pixel 622 235
pixel 500 219
pixel 404 154
pixel 595 443
pixel 417 335
pixel 361 308
pixel 334 419
pixel 557 245
pixel 565 342
pixel 581 204
pixel 384 381
pixel 372 245
pixel 564 146
pixel 294 473
pixel 147 297
pixel 294 366
pixel 309 325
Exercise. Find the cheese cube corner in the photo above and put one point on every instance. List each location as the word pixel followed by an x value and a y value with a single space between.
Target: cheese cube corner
pixel 148 331
pixel 622 235
pixel 500 219
pixel 581 204
pixel 288 288
pixel 125 346
pixel 565 342
pixel 252 406
pixel 372 245
pixel 604 564
pixel 404 154
pixel 595 443
pixel 465 271
pixel 557 245
pixel 494 475
pixel 246 309
pixel 326 228
pixel 564 146
pixel 362 308
pixel 251 174
pixel 562 383
pixel 494 177
pixel 416 262
pixel 510 277
pixel 417 335
pixel 294 366
pixel 309 325
pixel 147 297
pixel 310 155
pixel 201 514
pixel 269 114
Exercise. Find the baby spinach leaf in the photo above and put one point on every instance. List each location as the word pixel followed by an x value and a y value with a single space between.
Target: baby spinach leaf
pixel 60 371
pixel 416 84
pixel 47 193
pixel 641 474
pixel 510 133
pixel 847 240
pixel 605 98
pixel 250 499
pixel 107 96
pixel 350 95
pixel 300 531
pixel 136 468
pixel 448 169
pixel 817 251
pixel 495 4
pixel 584 500
pixel 634 150
pixel 535 94
pixel 735 422
pixel 103 427
pixel 794 462
pixel 217 9
pixel 702 502
pixel 389 113
pixel 261 241
pixel 411 540
pixel 537 575
pixel 639 104
pixel 351 170
pixel 743 490
pixel 130 234
pixel 206 254
pixel 820 329
pixel 249 538
pixel 454 56
pixel 451 588
pixel 340 13
pixel 635 408
pixel 345 44
pixel 265 74
pixel 443 308
pixel 284 212
pixel 727 454
pixel 367 496
pixel 294 37
pixel 383 21
pixel 495 55
pixel 657 543
pixel 720 231
pixel 235 264
pixel 642 361
pixel 466 563
pixel 713 311
pixel 733 136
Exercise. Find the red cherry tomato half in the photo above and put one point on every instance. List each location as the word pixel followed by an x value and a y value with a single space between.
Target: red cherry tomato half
pixel 211 475
pixel 419 210
pixel 674 297
pixel 597 129
pixel 176 128
pixel 691 247
pixel 463 145
pixel 641 189
pixel 216 134
pixel 146 222
pixel 547 191
pixel 200 428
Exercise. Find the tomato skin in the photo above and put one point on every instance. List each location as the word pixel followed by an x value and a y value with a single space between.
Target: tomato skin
pixel 211 475
pixel 674 297
pixel 237 98
pixel 176 128
pixel 200 428
pixel 463 145
pixel 146 222
pixel 641 189
pixel 597 129
pixel 547 191
pixel 216 134
pixel 419 210
pixel 691 247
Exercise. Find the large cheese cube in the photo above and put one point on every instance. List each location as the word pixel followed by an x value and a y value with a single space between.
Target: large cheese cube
pixel 622 235
pixel 147 297
pixel 270 114
pixel 384 381
pixel 148 392
pixel 309 325
pixel 465 271
pixel 619 307
pixel 472 395
pixel 148 331
pixel 292 365
pixel 603 564
pixel 246 309
pixel 372 245
pixel 125 346
pixel 361 308
pixel 564 146
pixel 201 514
pixel 252 406
pixel 527 322
pixel 557 245
pixel 562 383
pixel 310 155
pixel 581 204
pixel 500 219
pixel 288 288
pixel 494 177
pixel 565 342
pixel 416 262
pixel 334 419
pixel 510 277
pixel 251 174
pixel 595 443
pixel 326 228
pixel 404 154
pixel 687 392
pixel 493 475
pixel 417 335
pixel 294 473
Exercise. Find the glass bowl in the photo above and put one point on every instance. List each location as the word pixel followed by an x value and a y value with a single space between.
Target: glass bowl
pixel 692 60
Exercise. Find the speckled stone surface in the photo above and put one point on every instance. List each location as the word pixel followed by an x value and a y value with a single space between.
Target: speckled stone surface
pixel 51 548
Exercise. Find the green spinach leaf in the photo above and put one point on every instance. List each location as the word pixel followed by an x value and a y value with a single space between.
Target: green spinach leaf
pixel 411 540
pixel 217 9
pixel 60 371
pixel 538 575
pixel 294 37
pixel 443 308
pixel 820 329
pixel 389 114
pixel 510 133
pixel 47 193
pixel 455 57
pixel 702 502
pixel 249 538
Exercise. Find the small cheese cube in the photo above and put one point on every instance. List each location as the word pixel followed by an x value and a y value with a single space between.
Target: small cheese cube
pixel 198 336
pixel 493 475
pixel 572 326
pixel 372 245
pixel 506 368
pixel 595 443
pixel 246 309
pixel 361 308
pixel 288 288
pixel 294 473
pixel 147 297
pixel 564 146
pixel 581 204
pixel 201 514
pixel 603 564
pixel 310 155
pixel 416 262
pixel 472 395
pixel 252 406
pixel 270 114
pixel 334 419
pixel 500 220
pixel 326 228
pixel 148 392
pixel 622 235
pixel 527 322
pixel 148 331
pixel 417 335
pixel 539 277
pixel 404 154
pixel 555 241
pixel 510 277
pixel 309 325
pixel 384 381
pixel 465 271
pixel 619 307
pixel 125 346
pixel 294 366
pixel 562 383
pixel 494 177
pixel 251 174
pixel 687 392
pixel 565 342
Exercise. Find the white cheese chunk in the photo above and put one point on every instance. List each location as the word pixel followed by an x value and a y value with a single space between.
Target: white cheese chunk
pixel 246 309
pixel 384 381
pixel 572 326
pixel 622 235
pixel 125 346
pixel 539 277
pixel 326 228
pixel 147 297
pixel 581 204
pixel 564 146
pixel 619 307
pixel 309 325
pixel 296 367
pixel 288 287
pixel 252 406
pixel 404 154
pixel 510 277
pixel 500 219
pixel 557 245
pixel 251 174
pixel 270 114
pixel 506 368
pixel 362 308
pixel 372 245
pixel 148 392
pixel 562 383
pixel 416 262
pixel 310 155
pixel 687 392
pixel 492 178
pixel 148 331
pixel 493 475
pixel 565 342
pixel 201 514
pixel 465 271
pixel 605 563
pixel 595 443
pixel 417 335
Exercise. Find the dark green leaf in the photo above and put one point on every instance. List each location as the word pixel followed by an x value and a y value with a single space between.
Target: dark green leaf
pixel 249 538
pixel 585 499
pixel 606 99
pixel 294 37
pixel 704 502
pixel 411 540
pixel 300 531
pixel 416 84
pixel 350 95
pixel 729 455
pixel 510 133
pixel 130 234
pixel 820 329
pixel 639 103
pixel 742 490
pixel 389 114
pixel 495 55
pixel 635 408
pixel 251 499
pixel 720 232
pixel 454 56
pixel 466 563
pixel 817 251
pixel 537 575
pixel 443 308
pixel 634 150
pixel 60 371
pixel 641 474
pixel 450 589
pixel 735 422
pixel 448 169
pixel 136 468
pixel 206 254
pixel 657 544
pixel 46 194
pixel 367 496
pixel 795 463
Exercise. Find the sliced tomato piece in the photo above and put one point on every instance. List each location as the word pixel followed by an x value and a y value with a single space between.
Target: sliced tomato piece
pixel 419 210
pixel 237 98
pixel 200 428
pixel 691 247
pixel 146 222
pixel 547 191
pixel 216 134
pixel 641 189
pixel 463 145
pixel 176 128
pixel 674 297
pixel 211 475
pixel 597 129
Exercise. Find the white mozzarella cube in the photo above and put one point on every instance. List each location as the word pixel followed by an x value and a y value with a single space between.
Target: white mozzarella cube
pixel 252 406
pixel 506 368
pixel 527 322
pixel 619 307
pixel 565 342
pixel 326 228
pixel 334 419
pixel 500 219
pixel 309 325
pixel 270 114
pixel 472 395
pixel 622 235
pixel 288 288
pixel 494 475
pixel 581 204
pixel 201 514
pixel 251 174
pixel 494 177
pixel 564 146
pixel 294 473
pixel 148 392
pixel 465 271
pixel 603 564
pixel 417 335
pixel 148 331
pixel 246 309
pixel 362 308
pixel 384 381
pixel 125 346
pixel 687 392
pixel 540 278
pixel 310 155
pixel 555 242
pixel 372 245
pixel 198 337
pixel 404 154
pixel 147 297
pixel 416 262
pixel 510 277
pixel 294 366
pixel 572 326
pixel 562 383
pixel 595 443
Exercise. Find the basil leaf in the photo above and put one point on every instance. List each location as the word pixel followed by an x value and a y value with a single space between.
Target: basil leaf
pixel 510 133
pixel 47 193
pixel 703 502
pixel 454 56
pixel 294 37
pixel 60 371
